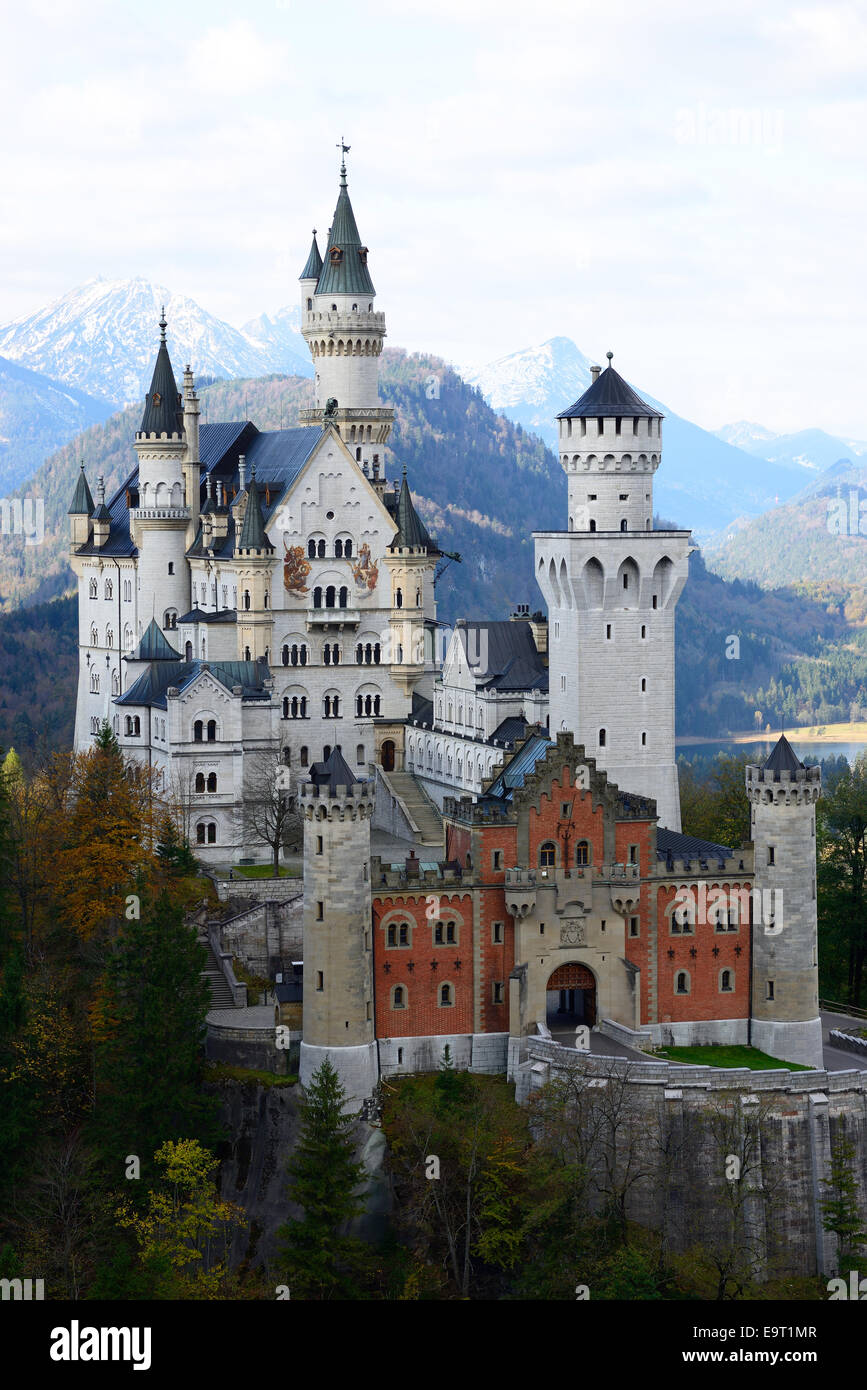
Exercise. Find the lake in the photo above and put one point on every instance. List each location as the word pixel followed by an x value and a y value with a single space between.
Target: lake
pixel 760 750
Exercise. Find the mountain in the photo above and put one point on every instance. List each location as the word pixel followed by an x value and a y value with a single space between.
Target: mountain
pixel 279 340
pixel 102 336
pixel 811 449
pixel 704 482
pixel 37 416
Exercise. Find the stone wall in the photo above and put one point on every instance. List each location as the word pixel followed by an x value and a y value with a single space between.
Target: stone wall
pixel 258 889
pixel 479 1052
pixel 683 1119
pixel 264 932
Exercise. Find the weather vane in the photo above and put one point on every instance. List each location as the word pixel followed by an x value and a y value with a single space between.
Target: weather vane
pixel 343 148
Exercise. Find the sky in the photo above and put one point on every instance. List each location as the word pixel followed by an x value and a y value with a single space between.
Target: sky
pixel 681 182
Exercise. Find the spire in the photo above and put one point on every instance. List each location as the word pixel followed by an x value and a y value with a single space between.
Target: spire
pixel 344 270
pixel 163 413
pixel 82 502
pixel 333 773
pixel 314 262
pixel 411 531
pixel 609 395
pixel 782 758
pixel 154 646
pixel 253 535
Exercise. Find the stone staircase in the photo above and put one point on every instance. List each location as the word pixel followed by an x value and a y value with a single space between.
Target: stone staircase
pixel 221 995
pixel 419 807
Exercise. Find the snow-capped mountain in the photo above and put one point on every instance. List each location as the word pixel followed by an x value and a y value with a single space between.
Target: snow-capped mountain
pixel 102 338
pixel 814 450
pixel 37 416
pixel 743 433
pixel 531 386
pixel 704 483
pixel 278 338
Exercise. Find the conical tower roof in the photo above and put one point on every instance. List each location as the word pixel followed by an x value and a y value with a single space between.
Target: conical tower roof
pixel 411 530
pixel 153 646
pixel 783 758
pixel 163 413
pixel 333 773
pixel 82 502
pixel 610 396
pixel 314 262
pixel 344 270
pixel 253 535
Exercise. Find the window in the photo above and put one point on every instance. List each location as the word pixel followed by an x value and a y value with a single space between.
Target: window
pixel 447 997
pixel 608 632
pixel 320 980
pixel 171 566
pixel 643 739
pixel 624 527
pixel 359 755
pixel 400 1056
pixel 582 853
pixel 626 581
pixel 633 854
pixel 200 781
pixel 212 781
pixel 643 632
pixel 320 911
pixel 338 550
pixel 398 599
pixel 197 731
pixel 497 992
pixel 592 525
pixel 398 997
pixel 769 990
pixel 343 596
pixel 304 755
pixel 212 731
pixel 725 982
pixel 633 926
pixel 317 597
pixel 681 985
pixel 320 550
pixel 391 935
pixel 497 933
pixel 770 855
pixel 653 601
pixel 497 859
pixel 682 920
pixel 548 855
pixel 94 682
pixel 93 588
pixel 170 618
pixel 643 685
pixel 601 738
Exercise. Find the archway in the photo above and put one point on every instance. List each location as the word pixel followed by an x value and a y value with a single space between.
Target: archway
pixel 388 755
pixel 571 997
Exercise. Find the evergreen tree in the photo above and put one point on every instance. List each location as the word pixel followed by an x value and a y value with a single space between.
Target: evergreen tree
pixel 321 1261
pixel 840 1210
pixel 173 852
pixel 149 1021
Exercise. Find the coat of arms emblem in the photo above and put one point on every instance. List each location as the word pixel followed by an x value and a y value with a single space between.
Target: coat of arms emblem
pixel 296 568
pixel 365 572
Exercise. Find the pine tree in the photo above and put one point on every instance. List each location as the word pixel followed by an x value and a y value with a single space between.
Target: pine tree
pixel 321 1261
pixel 840 1211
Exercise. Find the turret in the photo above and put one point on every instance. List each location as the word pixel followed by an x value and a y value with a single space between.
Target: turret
pixel 254 556
pixel 785 972
pixel 411 562
pixel 80 511
pixel 338 959
pixel 611 584
pixel 101 518
pixel 345 336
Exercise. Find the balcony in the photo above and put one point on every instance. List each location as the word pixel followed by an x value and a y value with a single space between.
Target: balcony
pixel 333 617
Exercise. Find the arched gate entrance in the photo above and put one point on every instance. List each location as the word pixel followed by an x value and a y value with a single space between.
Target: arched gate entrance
pixel 571 997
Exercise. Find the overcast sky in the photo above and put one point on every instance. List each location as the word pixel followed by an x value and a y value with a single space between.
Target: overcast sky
pixel 681 181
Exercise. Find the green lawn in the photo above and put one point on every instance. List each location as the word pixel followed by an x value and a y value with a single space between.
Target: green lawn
pixel 264 871
pixel 735 1056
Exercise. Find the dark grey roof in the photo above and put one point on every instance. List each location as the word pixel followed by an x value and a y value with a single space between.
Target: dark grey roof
pixel 253 535
pixel 609 396
pixel 198 615
pixel 82 502
pixel 163 413
pixel 215 441
pixel 783 758
pixel 333 773
pixel 348 274
pixel 101 513
pixel 503 655
pixel 152 684
pixel 671 844
pixel 422 710
pixel 314 263
pixel 411 531
pixel 516 769
pixel 154 645
pixel 119 541
pixel 510 730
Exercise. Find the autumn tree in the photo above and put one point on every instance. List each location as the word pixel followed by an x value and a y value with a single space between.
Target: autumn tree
pixel 320 1259
pixel 270 813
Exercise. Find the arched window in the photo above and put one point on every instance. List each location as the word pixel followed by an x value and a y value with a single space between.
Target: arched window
pixel 212 731
pixel 398 997
pixel 302 654
pixel 359 754
pixel 582 852
pixel 376 653
pixel 247 598
pixel 94 588
pixel 602 738
pixel 359 706
pixel 368 704
pixel 398 599
pixel 284 654
pixel 200 833
pixel 326 654
pixel 338 550
pixel 94 636
pixel 287 757
pixel 447 996
pixel 311 550
pixel 725 982
pixel 109 636
pixel 320 550
pixel 212 781
pixel 188 651
pixel 197 731
pixel 343 597
pixel 548 855
pixel 212 833
pixel 170 619
pixel 592 525
pixel 347 550
pixel 623 527
pixel 317 597
pixel 329 596
pixel 681 982
pixel 359 653
pixel 108 588
pixel 115 683
pixel 376 704
pixel 200 781
pixel 94 682
pixel 326 707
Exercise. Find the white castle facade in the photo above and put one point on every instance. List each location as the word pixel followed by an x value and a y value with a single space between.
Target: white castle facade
pixel 252 599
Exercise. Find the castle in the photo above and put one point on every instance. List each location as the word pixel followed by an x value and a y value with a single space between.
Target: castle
pixel 267 598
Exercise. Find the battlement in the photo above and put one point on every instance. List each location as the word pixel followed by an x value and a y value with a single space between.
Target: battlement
pixel 801 785
pixel 355 802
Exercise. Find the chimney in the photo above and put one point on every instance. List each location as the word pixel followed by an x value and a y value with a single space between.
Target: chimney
pixel 242 472
pixel 594 374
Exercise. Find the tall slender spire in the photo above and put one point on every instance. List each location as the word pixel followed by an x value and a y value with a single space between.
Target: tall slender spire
pixel 163 412
pixel 314 262
pixel 344 270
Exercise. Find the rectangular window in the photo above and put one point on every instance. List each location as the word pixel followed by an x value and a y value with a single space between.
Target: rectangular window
pixel 565 810
pixel 608 632
pixel 498 859
pixel 450 933
pixel 557 627
pixel 562 682
pixel 318 844
pixel 769 990
pixel 633 854
pixel 400 1056
pixel 770 854
pixel 541 928
pixel 633 926
pixel 391 935
pixel 497 933
pixel 498 991
pixel 643 633
pixel 624 496
pixel 320 911
pixel 653 601
pixel 438 934
pixel 320 981
pixel 368 1010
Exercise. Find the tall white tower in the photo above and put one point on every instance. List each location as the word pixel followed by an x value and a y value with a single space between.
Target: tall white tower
pixel 611 584
pixel 345 335
pixel 785 963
